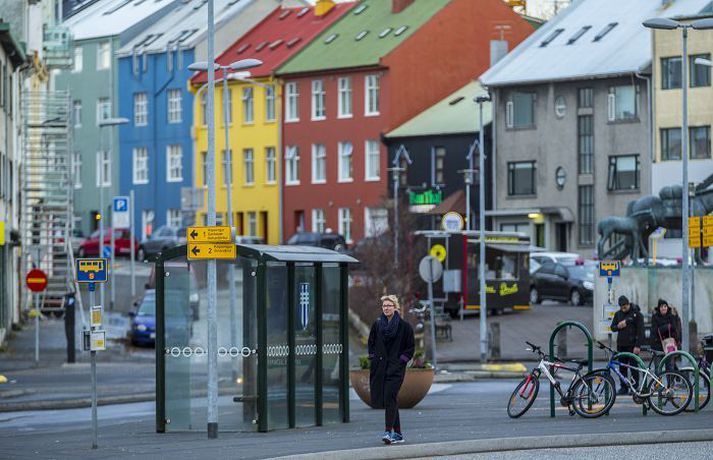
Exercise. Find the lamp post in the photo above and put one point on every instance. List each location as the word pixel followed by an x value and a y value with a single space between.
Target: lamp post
pixel 481 214
pixel 396 171
pixel 670 24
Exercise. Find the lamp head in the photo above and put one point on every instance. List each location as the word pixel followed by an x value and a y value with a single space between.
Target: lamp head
pixel 703 24
pixel 661 24
pixel 201 66
pixel 245 64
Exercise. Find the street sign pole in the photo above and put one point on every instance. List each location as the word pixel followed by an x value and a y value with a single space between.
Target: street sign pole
pixel 94 375
pixel 481 268
pixel 113 262
pixel 37 328
pixel 36 281
pixel 433 311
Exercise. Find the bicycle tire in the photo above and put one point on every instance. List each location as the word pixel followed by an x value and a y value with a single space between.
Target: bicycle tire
pixel 679 407
pixel 529 400
pixel 704 394
pixel 601 382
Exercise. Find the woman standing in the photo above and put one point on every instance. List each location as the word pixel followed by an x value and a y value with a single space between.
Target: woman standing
pixel 391 346
pixel 664 327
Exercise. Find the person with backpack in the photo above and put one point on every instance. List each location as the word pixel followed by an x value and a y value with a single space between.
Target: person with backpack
pixel 628 323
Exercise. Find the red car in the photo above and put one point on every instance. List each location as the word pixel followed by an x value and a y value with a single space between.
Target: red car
pixel 122 243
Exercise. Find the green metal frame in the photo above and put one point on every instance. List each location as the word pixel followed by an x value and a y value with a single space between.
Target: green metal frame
pixel 641 364
pixel 160 349
pixel 696 370
pixel 590 348
pixel 292 343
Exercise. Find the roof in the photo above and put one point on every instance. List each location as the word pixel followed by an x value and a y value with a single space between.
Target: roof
pixel 184 26
pixel 362 37
pixel 113 17
pixel 289 253
pixel 276 38
pixel 612 42
pixel 455 114
pixel 14 51
pixel 454 202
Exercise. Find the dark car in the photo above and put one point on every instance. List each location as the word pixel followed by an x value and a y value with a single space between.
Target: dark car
pixel 161 239
pixel 572 282
pixel 143 321
pixel 122 243
pixel 332 241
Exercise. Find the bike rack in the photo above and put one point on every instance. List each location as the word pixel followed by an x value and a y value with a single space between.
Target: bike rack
pixel 590 343
pixel 641 364
pixel 696 370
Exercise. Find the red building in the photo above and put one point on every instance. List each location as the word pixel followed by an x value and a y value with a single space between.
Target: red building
pixel 376 67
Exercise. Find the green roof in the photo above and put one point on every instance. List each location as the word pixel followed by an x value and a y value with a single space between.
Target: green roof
pixel 344 44
pixel 455 114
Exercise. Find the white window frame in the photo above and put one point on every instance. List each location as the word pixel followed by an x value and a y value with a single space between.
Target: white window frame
pixel 141 109
pixel 270 108
pixel 103 103
pixel 370 159
pixel 346 162
pixel 319 155
pixel 77 113
pixel 248 105
pixel 319 222
pixel 103 168
pixel 78 64
pixel 292 101
pixel 175 105
pixel 252 223
pixel 509 114
pixel 140 161
pixel 345 107
pixel 174 163
pixel 292 165
pixel 345 223
pixel 319 109
pixel 227 157
pixel 104 55
pixel 371 96
pixel 270 165
pixel 204 109
pixel 249 166
pixel 147 219
pixel 369 228
pixel 77 169
pixel 174 218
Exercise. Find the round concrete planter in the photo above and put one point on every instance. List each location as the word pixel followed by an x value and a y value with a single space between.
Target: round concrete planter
pixel 415 387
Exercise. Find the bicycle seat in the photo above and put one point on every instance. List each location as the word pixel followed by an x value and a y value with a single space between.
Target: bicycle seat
pixel 581 362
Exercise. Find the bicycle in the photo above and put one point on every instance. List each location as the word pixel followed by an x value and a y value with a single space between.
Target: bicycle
pixel 656 391
pixel 704 380
pixel 590 395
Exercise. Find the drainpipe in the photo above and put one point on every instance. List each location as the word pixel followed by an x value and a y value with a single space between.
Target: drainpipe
pixel 650 113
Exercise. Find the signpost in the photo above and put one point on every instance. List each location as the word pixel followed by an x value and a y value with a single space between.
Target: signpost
pixel 92 271
pixel 439 252
pixel 452 222
pixel 609 269
pixel 206 243
pixel 431 270
pixel 707 231
pixel 2 232
pixel 694 232
pixel 120 220
pixel 36 281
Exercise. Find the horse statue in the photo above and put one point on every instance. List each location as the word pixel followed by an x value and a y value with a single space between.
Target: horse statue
pixel 632 244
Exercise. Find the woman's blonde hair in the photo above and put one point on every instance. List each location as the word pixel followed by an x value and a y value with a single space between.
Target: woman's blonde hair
pixel 392 298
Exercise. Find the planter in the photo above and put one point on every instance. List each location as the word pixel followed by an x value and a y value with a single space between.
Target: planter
pixel 415 387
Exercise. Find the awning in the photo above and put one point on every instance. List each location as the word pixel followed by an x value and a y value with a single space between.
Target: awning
pixel 514 247
pixel 563 213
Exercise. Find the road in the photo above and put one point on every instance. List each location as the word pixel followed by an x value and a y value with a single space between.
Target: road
pixel 687 450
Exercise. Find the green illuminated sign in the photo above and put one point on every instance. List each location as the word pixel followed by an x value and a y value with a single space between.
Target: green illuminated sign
pixel 425 197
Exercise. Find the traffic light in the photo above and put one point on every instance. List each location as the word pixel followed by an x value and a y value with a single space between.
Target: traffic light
pixel 98 216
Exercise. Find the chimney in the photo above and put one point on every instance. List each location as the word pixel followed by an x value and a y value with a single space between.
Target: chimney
pixel 498 50
pixel 323 7
pixel 398 6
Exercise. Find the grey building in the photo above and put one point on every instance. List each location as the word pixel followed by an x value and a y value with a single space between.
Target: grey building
pixel 572 122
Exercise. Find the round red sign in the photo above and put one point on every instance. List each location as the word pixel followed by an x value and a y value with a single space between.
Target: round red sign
pixel 36 280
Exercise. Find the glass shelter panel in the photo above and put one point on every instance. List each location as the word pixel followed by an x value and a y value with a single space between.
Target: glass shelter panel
pixel 305 344
pixel 331 345
pixel 278 349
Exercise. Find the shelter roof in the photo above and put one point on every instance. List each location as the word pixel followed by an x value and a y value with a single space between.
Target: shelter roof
pixel 289 253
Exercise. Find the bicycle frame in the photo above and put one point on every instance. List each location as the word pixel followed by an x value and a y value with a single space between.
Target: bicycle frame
pixel 544 368
pixel 614 365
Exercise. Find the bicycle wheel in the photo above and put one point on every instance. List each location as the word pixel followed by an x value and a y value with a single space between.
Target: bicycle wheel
pixel 671 393
pixel 593 395
pixel 524 395
pixel 704 388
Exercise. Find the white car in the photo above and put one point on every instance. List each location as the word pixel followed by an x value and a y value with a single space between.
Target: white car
pixel 538 258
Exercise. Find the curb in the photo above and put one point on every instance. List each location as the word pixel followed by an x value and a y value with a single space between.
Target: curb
pixel 437 449
pixel 76 403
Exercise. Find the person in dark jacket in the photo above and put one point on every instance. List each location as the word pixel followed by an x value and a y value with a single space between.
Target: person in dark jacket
pixel 663 326
pixel 391 347
pixel 629 326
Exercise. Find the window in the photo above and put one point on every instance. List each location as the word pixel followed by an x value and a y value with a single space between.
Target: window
pixel 77 169
pixel 372 160
pixel 103 109
pixel 345 162
pixel 228 107
pixel 141 109
pixel 700 142
pixel 670 144
pixel 578 34
pixel 585 143
pixel 147 218
pixel 605 31
pixel 585 205
pixel 104 55
pixel 141 166
pixel 623 102
pixel 103 171
pixel 438 159
pixel 344 101
pixel 521 178
pixel 270 103
pixel 319 164
pixel 252 223
pixel 78 59
pixel 248 105
pixel 671 72
pixel 623 172
pixel 204 168
pixel 270 171
pixel 376 221
pixel 204 109
pixel 227 167
pixel 520 110
pixel 174 163
pixel 318 94
pixel 585 98
pixel 551 37
pixel 249 166
pixel 292 102
pixel 345 223
pixel 174 218
pixel 400 30
pixel 77 114
pixel 700 74
pixel 292 165
pixel 175 114
pixel 371 95
pixel 318 221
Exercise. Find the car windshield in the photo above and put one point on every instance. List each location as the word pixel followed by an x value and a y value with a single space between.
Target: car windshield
pixel 148 306
pixel 582 272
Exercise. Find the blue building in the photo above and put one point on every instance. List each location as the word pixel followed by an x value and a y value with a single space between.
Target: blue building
pixel 156 146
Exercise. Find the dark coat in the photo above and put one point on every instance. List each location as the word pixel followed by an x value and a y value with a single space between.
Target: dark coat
pixel 663 327
pixel 388 361
pixel 633 334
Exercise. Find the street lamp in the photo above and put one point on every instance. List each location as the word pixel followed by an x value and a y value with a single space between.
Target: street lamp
pixel 480 100
pixel 106 122
pixel 670 24
pixel 212 322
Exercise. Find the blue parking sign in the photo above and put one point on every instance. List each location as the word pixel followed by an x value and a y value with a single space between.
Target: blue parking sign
pixel 121 204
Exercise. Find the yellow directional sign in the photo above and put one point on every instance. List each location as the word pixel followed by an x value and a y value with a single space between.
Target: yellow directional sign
pixel 439 252
pixel 2 232
pixel 198 251
pixel 708 225
pixel 219 234
pixel 707 241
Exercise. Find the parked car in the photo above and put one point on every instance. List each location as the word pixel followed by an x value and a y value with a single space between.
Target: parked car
pixel 573 282
pixel 122 243
pixel 191 286
pixel 248 240
pixel 538 258
pixel 162 238
pixel 143 320
pixel 332 241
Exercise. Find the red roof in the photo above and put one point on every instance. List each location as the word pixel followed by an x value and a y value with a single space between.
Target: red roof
pixel 278 37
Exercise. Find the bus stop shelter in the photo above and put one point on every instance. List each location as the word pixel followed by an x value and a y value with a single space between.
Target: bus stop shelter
pixel 282 339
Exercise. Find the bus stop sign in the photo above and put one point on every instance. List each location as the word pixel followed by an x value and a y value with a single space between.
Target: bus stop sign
pixel 91 270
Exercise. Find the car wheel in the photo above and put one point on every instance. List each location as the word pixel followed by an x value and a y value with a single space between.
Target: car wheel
pixel 575 298
pixel 141 255
pixel 534 296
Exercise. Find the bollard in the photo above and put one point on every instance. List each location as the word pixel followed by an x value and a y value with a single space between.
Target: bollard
pixel 69 320
pixel 562 344
pixel 495 340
